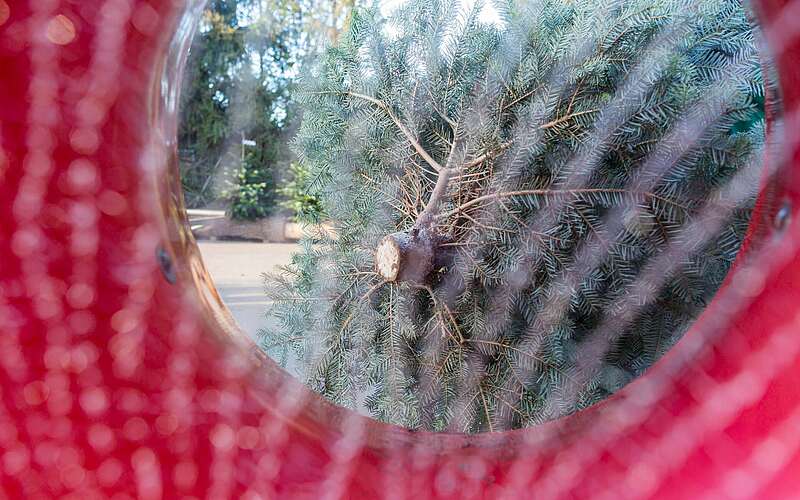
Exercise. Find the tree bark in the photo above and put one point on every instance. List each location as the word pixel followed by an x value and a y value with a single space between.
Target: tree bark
pixel 406 256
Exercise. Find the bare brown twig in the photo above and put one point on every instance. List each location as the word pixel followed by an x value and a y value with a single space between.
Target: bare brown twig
pixel 403 128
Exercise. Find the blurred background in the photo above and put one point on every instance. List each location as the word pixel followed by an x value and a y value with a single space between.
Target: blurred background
pixel 242 183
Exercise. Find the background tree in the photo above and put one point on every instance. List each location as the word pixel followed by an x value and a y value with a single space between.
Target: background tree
pixel 296 197
pixel 204 133
pixel 523 211
pixel 327 19
pixel 241 71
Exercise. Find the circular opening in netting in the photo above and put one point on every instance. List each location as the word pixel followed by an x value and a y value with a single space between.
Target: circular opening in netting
pixel 473 216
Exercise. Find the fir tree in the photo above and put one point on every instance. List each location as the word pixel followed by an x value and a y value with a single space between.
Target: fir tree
pixel 237 86
pixel 500 191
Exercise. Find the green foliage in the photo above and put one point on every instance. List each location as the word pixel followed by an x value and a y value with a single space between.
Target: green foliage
pixel 253 196
pixel 252 193
pixel 239 81
pixel 580 143
pixel 298 199
pixel 208 83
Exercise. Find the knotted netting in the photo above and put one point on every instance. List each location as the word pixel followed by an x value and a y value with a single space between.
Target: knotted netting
pixel 125 375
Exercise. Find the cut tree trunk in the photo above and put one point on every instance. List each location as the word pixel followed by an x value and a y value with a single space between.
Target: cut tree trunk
pixel 405 256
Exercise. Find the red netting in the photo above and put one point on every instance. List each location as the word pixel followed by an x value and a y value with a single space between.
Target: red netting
pixel 124 375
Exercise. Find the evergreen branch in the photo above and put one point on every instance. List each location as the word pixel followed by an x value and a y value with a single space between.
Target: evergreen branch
pixel 566 118
pixel 364 297
pixel 575 93
pixel 556 192
pixel 486 408
pixel 432 206
pixel 440 368
pixel 524 353
pixel 392 358
pixel 489 155
pixel 282 342
pixel 505 402
pixel 442 138
pixel 335 302
pixel 589 225
pixel 444 117
pixel 481 174
pixel 389 198
pixel 521 261
pixel 505 146
pixel 460 339
pixel 476 223
pixel 405 130
pixel 521 98
pixel 358 273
